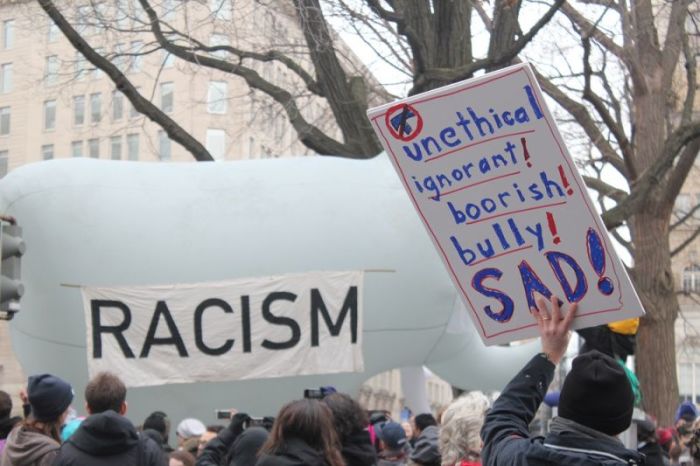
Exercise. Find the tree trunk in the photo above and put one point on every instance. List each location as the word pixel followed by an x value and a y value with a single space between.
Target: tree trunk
pixel 656 359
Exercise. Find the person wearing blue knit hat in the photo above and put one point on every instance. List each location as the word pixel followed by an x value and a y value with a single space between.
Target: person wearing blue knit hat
pixel 36 440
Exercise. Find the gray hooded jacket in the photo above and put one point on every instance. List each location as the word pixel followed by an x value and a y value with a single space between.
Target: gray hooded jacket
pixel 26 447
pixel 426 450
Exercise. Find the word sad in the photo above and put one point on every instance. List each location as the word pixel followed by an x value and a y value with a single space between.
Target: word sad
pixel 574 290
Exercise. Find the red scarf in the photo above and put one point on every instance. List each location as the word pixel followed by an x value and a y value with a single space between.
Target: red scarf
pixel 469 463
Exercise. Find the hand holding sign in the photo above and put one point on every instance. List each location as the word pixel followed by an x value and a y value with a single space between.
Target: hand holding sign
pixel 554 329
pixel 504 204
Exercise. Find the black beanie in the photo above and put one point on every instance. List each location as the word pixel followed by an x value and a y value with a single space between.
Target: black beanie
pixel 49 396
pixel 597 394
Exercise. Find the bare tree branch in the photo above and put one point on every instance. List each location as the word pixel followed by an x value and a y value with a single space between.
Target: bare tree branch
pixel 584 119
pixel 456 74
pixel 685 217
pixel 589 29
pixel 604 189
pixel 174 131
pixel 383 13
pixel 601 108
pixel 311 136
pixel 689 240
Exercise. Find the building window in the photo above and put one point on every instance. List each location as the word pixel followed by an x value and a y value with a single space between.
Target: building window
pixel 136 59
pixel 132 143
pixel 217 97
pixel 166 97
pixel 94 148
pixel 76 148
pixel 8 34
pixel 691 279
pixel 78 110
pixel 52 32
pixel 222 9
pixel 251 147
pixel 4 158
pixel 123 14
pixel 116 147
pixel 117 105
pixel 216 143
pixel 119 58
pixel 51 72
pixel 682 203
pixel 4 121
pixel 79 66
pixel 133 113
pixel 50 115
pixel 96 72
pixel 95 107
pixel 168 10
pixel 83 15
pixel 216 40
pixel 5 78
pixel 47 151
pixel 163 146
pixel 168 59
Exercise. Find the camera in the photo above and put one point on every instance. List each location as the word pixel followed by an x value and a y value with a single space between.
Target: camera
pixel 255 422
pixel 314 393
pixel 223 413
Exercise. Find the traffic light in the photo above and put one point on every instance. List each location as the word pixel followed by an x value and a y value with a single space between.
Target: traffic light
pixel 12 248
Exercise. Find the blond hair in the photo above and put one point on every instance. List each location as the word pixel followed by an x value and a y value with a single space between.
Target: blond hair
pixel 461 427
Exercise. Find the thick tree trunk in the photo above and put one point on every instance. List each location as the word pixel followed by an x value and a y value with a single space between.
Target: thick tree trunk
pixel 656 359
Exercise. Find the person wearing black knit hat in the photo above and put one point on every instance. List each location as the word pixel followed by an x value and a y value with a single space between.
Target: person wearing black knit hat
pixel 597 394
pixel 36 440
pixel 595 405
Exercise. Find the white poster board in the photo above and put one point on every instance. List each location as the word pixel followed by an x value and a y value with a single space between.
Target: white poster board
pixel 491 178
pixel 251 328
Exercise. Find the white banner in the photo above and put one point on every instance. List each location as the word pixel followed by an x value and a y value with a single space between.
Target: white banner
pixel 249 328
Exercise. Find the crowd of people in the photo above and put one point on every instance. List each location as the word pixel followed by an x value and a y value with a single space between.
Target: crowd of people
pixel 331 429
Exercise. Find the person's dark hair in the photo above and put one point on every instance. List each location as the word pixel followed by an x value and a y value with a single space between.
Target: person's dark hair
pixel 159 422
pixel 308 420
pixel 425 420
pixel 105 391
pixel 5 405
pixel 186 457
pixel 348 416
pixel 49 428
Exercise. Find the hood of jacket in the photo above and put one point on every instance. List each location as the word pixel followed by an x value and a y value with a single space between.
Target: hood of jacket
pixel 426 449
pixel 27 446
pixel 105 434
pixel 357 450
pixel 574 450
pixel 294 452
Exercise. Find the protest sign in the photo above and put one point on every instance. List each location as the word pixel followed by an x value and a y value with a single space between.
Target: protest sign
pixel 492 180
pixel 253 328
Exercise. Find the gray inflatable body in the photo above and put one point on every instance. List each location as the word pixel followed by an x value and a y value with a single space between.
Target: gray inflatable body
pixel 91 222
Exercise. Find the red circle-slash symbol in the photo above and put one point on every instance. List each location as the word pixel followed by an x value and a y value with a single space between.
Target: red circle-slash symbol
pixel 404 122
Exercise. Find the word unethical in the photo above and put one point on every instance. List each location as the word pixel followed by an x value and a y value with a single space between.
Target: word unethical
pixel 476 126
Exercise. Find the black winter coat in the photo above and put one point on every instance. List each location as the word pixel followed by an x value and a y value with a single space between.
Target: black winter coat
pixel 357 450
pixel 294 453
pixel 506 437
pixel 108 439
